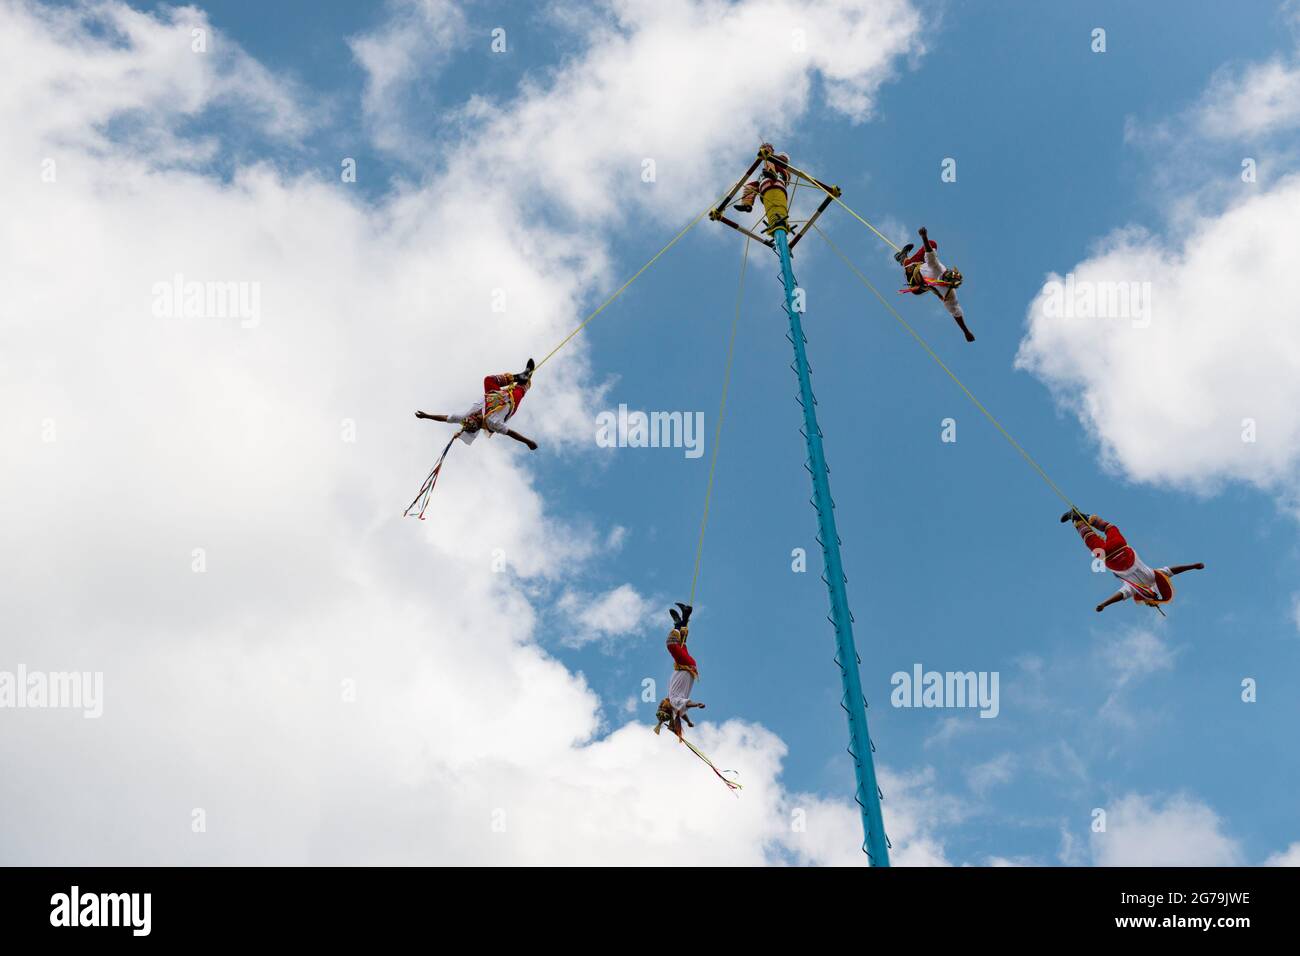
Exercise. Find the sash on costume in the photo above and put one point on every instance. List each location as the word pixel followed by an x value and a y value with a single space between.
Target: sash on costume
pixel 1151 598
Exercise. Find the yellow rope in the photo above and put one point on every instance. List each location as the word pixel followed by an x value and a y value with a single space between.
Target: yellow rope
pixel 621 289
pixel 814 182
pixel 722 411
pixel 969 394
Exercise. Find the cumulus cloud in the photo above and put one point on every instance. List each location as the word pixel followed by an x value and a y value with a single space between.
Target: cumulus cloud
pixel 1261 99
pixel 414 44
pixel 1196 382
pixel 72 72
pixel 674 83
pixel 618 612
pixel 205 507
pixel 1178 830
pixel 1171 349
pixel 829 832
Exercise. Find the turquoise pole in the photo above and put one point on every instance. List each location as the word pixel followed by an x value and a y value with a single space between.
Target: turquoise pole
pixel 875 843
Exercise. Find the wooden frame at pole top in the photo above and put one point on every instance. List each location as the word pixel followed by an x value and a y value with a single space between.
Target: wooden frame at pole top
pixel 718 214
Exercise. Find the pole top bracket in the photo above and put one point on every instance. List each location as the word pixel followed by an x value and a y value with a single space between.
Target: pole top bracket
pixel 780 170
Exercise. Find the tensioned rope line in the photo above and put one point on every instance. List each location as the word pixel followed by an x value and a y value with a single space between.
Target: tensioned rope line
pixel 969 394
pixel 814 182
pixel 623 288
pixel 722 411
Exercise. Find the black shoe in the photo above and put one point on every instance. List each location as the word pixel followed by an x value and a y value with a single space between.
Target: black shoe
pixel 1073 515
pixel 527 373
pixel 743 207
pixel 686 612
pixel 902 253
pixel 677 618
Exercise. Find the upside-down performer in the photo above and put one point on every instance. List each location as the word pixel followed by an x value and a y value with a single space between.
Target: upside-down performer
pixel 925 273
pixel 1145 585
pixel 675 709
pixel 502 396
pixel 772 175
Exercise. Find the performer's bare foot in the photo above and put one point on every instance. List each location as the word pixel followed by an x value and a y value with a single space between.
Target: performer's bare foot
pixel 524 439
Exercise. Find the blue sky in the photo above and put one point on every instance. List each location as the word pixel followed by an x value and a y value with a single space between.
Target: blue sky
pixel 953 551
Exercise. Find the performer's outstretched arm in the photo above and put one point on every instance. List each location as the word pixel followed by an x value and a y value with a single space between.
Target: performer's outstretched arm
pixel 1113 599
pixel 432 418
pixel 1180 568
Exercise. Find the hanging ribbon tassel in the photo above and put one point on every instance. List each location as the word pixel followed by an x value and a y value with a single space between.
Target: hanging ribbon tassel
pixel 426 489
pixel 731 784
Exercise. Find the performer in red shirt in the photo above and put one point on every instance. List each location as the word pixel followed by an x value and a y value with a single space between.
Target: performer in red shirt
pixel 502 395
pixel 925 273
pixel 1149 586
pixel 673 708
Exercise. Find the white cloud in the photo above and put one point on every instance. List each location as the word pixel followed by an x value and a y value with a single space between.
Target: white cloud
pixel 72 71
pixel 991 773
pixel 1062 762
pixel 1071 852
pixel 414 44
pixel 1263 98
pixel 674 82
pixel 950 728
pixel 1288 857
pixel 228 690
pixel 1130 656
pixel 1207 390
pixel 618 612
pixel 1133 654
pixel 1178 831
pixel 832 829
